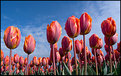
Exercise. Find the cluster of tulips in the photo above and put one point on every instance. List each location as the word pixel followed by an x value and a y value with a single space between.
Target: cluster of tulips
pixel 59 62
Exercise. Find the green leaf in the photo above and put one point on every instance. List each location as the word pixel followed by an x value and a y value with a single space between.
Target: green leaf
pixel 90 70
pixel 118 68
pixel 82 70
pixel 105 70
pixel 74 72
pixel 59 69
pixel 110 73
pixel 66 69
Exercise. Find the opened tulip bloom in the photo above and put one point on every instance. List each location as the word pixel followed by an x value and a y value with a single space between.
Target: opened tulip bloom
pixel 29 46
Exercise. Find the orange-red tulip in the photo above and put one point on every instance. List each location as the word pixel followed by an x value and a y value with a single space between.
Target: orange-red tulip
pixel 95 41
pixel 35 60
pixel 6 60
pixel 113 39
pixel 21 61
pixel 29 44
pixel 118 46
pixel 2 55
pixel 72 27
pixel 31 64
pixel 25 61
pixel 108 27
pixel 66 44
pixel 107 48
pixel 117 54
pixel 53 32
pixel 85 24
pixel 12 37
pixel 40 60
pixel 78 46
pixel 1 63
pixel 16 58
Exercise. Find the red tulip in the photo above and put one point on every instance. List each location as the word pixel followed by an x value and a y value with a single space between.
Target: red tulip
pixel 31 64
pixel 25 61
pixel 29 44
pixel 100 59
pixel 1 63
pixel 66 44
pixel 61 52
pixel 108 27
pixel 21 61
pixel 13 67
pixel 2 55
pixel 93 59
pixel 40 60
pixel 117 54
pixel 6 60
pixel 72 27
pixel 85 24
pixel 35 60
pixel 107 48
pixel 118 46
pixel 12 37
pixel 53 32
pixel 16 58
pixel 78 46
pixel 57 57
pixel 95 42
pixel 113 39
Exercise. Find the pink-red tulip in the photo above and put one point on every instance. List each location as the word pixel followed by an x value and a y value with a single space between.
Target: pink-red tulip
pixel 108 27
pixel 113 39
pixel 85 24
pixel 66 44
pixel 78 46
pixel 43 61
pixel 72 27
pixel 29 44
pixel 61 52
pixel 2 55
pixel 40 60
pixel 25 61
pixel 107 48
pixel 53 32
pixel 57 57
pixel 35 60
pixel 12 37
pixel 16 58
pixel 21 61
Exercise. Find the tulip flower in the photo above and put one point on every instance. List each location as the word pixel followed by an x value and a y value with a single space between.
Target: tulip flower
pixel 85 28
pixel 113 39
pixel 72 27
pixel 12 37
pixel 108 27
pixel 40 61
pixel 6 60
pixel 57 57
pixel 21 61
pixel 118 46
pixel 29 46
pixel 43 61
pixel 25 61
pixel 16 58
pixel 61 52
pixel 2 55
pixel 53 35
pixel 78 46
pixel 35 60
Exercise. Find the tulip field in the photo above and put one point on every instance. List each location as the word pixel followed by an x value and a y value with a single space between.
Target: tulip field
pixel 60 61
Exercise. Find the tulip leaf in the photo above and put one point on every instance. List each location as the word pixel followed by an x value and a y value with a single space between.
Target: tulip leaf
pixel 90 70
pixel 66 69
pixel 82 70
pixel 105 70
pixel 59 70
pixel 74 72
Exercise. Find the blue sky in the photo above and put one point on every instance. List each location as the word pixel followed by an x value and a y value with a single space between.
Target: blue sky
pixel 32 17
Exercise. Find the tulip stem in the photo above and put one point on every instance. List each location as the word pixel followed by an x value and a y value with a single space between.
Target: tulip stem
pixel 69 62
pixel 80 63
pixel 114 58
pixel 54 59
pixel 10 62
pixel 110 56
pixel 27 63
pixel 75 56
pixel 85 57
pixel 96 62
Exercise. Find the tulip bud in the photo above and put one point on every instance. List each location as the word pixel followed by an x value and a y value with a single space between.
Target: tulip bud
pixel 16 58
pixel 72 27
pixel 13 67
pixel 66 44
pixel 113 39
pixel 29 44
pixel 21 61
pixel 78 46
pixel 2 55
pixel 61 52
pixel 117 54
pixel 107 48
pixel 12 37
pixel 53 32
pixel 40 60
pixel 57 57
pixel 25 61
pixel 35 60
pixel 85 24
pixel 6 60
pixel 108 27
pixel 31 64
